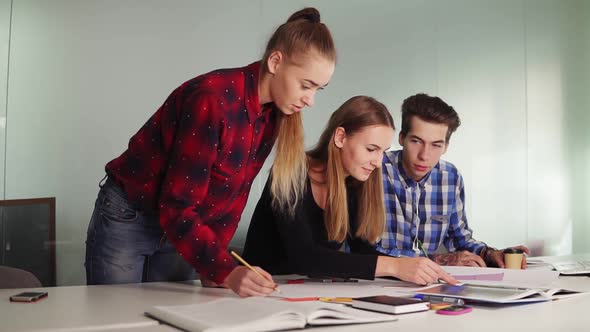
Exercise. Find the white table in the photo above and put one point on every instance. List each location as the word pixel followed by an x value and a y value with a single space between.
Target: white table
pixel 91 308
pixel 152 328
pixel 121 308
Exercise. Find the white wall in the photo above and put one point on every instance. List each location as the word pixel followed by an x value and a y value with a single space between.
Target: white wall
pixel 480 66
pixel 577 119
pixel 85 75
pixel 557 120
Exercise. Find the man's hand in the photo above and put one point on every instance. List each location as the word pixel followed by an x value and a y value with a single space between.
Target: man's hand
pixel 495 257
pixel 246 282
pixel 459 258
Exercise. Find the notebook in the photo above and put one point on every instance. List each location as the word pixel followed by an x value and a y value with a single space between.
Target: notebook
pixel 260 314
pixel 496 294
pixel 390 304
pixel 572 268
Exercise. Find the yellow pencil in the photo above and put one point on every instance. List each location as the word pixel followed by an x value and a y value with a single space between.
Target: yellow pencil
pixel 241 260
pixel 336 299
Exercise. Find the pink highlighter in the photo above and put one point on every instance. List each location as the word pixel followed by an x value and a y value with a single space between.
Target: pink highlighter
pixel 454 310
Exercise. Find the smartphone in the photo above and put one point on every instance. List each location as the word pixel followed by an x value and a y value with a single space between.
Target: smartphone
pixel 454 310
pixel 28 296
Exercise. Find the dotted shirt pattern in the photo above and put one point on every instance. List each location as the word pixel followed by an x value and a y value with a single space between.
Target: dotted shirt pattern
pixel 194 161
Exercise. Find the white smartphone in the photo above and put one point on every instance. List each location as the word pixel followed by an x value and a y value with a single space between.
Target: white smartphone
pixel 28 296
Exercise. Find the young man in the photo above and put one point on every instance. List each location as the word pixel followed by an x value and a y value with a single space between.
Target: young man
pixel 425 196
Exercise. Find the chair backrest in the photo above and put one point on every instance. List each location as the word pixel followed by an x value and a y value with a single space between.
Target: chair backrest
pixel 11 277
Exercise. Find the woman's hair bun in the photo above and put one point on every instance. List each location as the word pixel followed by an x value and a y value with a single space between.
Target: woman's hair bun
pixel 310 14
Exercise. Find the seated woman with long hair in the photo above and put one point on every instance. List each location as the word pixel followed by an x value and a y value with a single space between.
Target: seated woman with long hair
pixel 328 225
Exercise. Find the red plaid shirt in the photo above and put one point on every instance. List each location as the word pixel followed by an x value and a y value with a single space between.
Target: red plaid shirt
pixel 194 161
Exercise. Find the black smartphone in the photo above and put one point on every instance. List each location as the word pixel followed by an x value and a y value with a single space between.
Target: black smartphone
pixel 28 296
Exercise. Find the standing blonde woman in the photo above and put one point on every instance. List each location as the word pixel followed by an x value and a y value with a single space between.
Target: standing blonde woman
pixel 172 201
pixel 332 228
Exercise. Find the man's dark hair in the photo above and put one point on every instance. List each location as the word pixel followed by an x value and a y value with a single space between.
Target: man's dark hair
pixel 429 109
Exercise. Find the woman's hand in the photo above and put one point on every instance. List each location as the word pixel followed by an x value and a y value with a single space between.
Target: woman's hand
pixel 246 282
pixel 418 270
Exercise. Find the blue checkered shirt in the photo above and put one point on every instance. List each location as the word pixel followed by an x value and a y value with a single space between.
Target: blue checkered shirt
pixel 433 208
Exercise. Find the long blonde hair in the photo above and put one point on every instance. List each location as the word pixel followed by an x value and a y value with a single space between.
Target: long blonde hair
pixel 302 33
pixel 355 114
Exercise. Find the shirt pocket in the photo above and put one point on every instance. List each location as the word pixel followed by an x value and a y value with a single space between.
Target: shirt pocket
pixel 223 183
pixel 436 226
pixel 220 175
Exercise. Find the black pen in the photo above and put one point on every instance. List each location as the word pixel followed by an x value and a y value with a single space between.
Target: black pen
pixel 328 279
pixel 440 299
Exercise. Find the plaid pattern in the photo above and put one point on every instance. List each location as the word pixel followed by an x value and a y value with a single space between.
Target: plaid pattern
pixel 193 163
pixel 433 208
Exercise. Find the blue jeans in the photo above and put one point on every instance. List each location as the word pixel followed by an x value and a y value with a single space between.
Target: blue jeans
pixel 124 245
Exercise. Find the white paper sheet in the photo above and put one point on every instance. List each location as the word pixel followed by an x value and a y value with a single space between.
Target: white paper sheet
pixel 528 278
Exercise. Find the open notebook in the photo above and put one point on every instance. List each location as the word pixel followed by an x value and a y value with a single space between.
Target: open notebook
pixel 573 268
pixel 260 314
pixel 496 294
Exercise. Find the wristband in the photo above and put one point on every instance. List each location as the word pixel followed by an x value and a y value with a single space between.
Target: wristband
pixel 486 255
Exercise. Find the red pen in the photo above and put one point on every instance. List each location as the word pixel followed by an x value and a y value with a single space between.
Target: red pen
pixel 295 281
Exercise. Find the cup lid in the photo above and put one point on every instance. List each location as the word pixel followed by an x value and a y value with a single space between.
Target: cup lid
pixel 513 251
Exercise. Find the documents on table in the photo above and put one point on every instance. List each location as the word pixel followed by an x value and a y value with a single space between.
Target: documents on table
pixel 528 278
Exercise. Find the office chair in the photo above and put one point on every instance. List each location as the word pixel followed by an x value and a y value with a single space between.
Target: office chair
pixel 11 277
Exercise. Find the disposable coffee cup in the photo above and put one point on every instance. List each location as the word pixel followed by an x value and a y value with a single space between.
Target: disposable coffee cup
pixel 513 258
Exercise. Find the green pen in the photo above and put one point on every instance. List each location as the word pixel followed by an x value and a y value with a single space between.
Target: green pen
pixel 440 281
pixel 421 247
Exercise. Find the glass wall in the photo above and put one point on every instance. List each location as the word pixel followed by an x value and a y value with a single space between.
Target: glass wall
pixel 84 76
pixel 5 16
